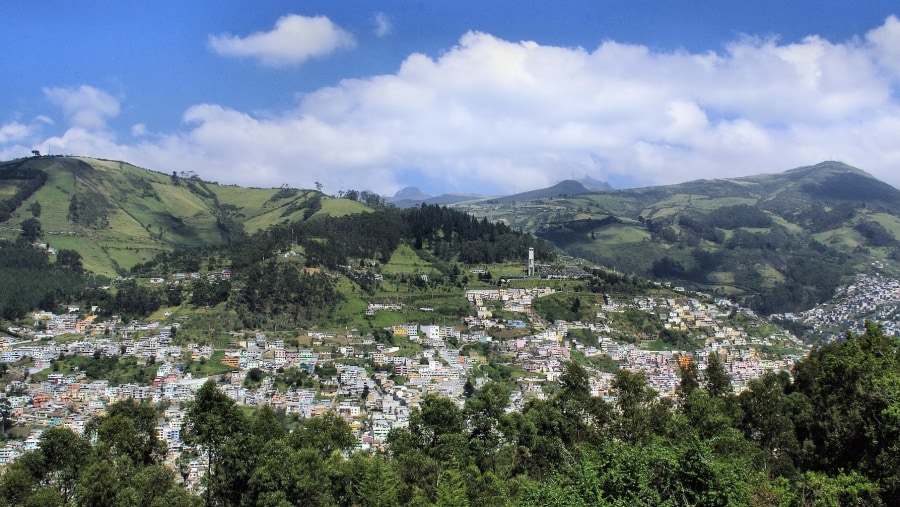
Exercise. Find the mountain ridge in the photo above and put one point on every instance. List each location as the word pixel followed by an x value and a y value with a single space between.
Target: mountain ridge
pixel 764 238
pixel 792 234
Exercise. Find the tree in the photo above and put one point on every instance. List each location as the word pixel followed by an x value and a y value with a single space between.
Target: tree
pixel 69 260
pixel 379 485
pixel 468 388
pixel 484 412
pixel 254 376
pixel 211 420
pixel 845 489
pixel 5 415
pixel 641 415
pixel 582 416
pixel 853 387
pixel 326 434
pixel 265 425
pixel 768 421
pixel 718 382
pixel 61 457
pixel 576 306
pixel 689 377
pixel 286 476
pixel 31 229
pixel 129 430
pixel 707 416
pixel 436 417
pixel 451 491
pixel 99 483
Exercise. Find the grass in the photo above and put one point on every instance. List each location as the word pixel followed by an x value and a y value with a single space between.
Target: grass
pixel 341 207
pixel 8 188
pixel 209 367
pixel 843 238
pixel 889 222
pixel 147 212
pixel 771 276
pixel 721 277
pixel 621 233
pixel 699 202
pixel 447 302
pixel 118 370
pixel 404 260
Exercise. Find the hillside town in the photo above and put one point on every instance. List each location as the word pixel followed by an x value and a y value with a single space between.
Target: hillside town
pixel 872 296
pixel 373 386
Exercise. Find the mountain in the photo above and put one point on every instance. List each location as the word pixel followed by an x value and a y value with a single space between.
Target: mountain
pixel 595 185
pixel 409 194
pixel 412 196
pixel 562 189
pixel 117 215
pixel 778 241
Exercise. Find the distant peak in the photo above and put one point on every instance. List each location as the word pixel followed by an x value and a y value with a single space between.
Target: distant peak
pixel 594 185
pixel 410 193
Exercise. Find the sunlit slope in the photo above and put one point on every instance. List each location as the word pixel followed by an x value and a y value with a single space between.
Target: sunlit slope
pixel 116 214
pixel 790 235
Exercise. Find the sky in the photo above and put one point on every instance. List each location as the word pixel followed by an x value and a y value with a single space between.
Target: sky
pixel 454 96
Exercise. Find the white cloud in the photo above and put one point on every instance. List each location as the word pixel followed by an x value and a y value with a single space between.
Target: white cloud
pixel 886 43
pixel 138 130
pixel 14 132
pixel 383 25
pixel 495 115
pixel 84 107
pixel 292 41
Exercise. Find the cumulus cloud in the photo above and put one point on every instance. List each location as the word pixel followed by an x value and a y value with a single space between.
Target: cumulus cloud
pixel 84 107
pixel 13 132
pixel 493 115
pixel 886 43
pixel 383 25
pixel 17 138
pixel 292 41
pixel 138 130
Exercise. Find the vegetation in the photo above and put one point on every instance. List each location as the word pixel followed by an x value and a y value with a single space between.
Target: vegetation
pixel 31 281
pixel 781 242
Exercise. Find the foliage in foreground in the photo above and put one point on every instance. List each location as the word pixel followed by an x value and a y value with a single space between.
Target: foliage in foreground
pixel 830 437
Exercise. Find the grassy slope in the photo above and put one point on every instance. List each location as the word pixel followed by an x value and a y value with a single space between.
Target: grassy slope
pixel 627 244
pixel 146 212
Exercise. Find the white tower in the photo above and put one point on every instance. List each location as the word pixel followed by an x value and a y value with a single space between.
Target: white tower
pixel 530 262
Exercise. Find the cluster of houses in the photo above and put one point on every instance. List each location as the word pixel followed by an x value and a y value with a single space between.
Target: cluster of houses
pixel 179 278
pixel 544 354
pixel 872 296
pixel 374 386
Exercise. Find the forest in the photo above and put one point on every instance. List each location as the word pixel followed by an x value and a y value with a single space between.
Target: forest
pixel 32 281
pixel 264 287
pixel 827 435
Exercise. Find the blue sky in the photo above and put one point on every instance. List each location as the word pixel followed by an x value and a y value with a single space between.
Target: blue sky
pixel 480 97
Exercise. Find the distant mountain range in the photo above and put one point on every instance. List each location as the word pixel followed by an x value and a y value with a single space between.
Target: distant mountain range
pixel 412 196
pixel 779 241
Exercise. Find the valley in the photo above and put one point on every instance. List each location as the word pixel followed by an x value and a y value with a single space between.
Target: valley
pixel 346 316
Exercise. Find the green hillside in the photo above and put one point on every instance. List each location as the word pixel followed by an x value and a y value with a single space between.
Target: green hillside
pixel 117 215
pixel 780 241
